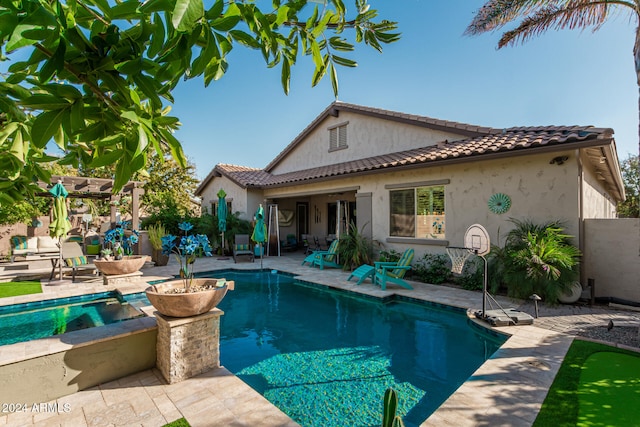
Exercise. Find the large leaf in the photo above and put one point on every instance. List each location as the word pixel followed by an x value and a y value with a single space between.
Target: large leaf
pixel 45 126
pixel 186 14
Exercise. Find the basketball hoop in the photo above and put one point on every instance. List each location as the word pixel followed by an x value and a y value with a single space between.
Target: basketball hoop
pixel 458 258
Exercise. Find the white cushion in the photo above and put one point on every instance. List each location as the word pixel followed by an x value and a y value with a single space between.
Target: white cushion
pixel 32 244
pixel 47 242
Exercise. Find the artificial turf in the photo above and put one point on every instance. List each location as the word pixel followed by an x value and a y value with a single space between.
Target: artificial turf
pixel 12 289
pixel 597 385
pixel 178 423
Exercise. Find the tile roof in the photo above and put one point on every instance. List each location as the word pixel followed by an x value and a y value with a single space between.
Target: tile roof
pixel 495 141
pixel 480 142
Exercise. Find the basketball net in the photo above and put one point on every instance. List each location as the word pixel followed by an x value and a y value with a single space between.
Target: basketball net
pixel 458 258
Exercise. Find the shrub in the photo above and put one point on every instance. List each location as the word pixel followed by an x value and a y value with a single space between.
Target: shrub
pixel 390 255
pixel 536 259
pixel 354 248
pixel 433 268
pixel 472 276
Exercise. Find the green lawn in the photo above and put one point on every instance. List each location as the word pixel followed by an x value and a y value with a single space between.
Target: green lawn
pixel 178 423
pixel 597 385
pixel 12 289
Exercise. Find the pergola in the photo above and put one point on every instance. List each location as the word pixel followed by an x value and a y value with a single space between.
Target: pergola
pixel 98 188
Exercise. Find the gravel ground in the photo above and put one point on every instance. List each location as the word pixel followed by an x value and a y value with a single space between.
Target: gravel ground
pixel 590 322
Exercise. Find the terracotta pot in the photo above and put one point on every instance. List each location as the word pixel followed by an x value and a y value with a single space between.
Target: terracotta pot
pixel 186 304
pixel 126 265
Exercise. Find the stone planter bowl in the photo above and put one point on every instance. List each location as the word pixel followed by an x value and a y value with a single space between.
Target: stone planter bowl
pixel 126 265
pixel 186 304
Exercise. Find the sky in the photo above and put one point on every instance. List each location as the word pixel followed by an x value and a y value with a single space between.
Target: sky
pixel 563 77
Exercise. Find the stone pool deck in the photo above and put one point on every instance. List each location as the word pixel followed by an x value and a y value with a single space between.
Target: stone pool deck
pixel 508 389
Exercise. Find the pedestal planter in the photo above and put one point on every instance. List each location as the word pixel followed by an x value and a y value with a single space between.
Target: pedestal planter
pixel 185 304
pixel 572 294
pixel 159 258
pixel 126 265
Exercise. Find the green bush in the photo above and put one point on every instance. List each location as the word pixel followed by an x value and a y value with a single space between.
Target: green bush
pixel 390 255
pixel 432 268
pixel 472 276
pixel 354 249
pixel 536 258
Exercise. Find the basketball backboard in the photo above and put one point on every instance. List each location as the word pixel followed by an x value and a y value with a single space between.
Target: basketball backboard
pixel 477 239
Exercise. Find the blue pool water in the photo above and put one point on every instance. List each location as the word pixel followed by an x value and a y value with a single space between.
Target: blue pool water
pixel 34 320
pixel 326 357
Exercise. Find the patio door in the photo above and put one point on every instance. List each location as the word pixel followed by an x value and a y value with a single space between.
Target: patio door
pixel 302 219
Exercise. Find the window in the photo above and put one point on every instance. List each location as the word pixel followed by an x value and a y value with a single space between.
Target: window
pixel 214 207
pixel 417 212
pixel 338 137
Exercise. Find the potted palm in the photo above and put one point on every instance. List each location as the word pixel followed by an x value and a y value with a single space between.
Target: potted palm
pixel 156 234
pixel 188 295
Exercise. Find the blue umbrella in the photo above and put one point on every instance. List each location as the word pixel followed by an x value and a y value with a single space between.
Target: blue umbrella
pixel 259 234
pixel 222 215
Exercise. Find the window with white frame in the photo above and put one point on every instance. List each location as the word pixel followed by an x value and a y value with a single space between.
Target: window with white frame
pixel 417 212
pixel 338 137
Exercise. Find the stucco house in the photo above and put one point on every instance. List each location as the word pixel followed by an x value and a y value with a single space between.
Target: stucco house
pixel 415 181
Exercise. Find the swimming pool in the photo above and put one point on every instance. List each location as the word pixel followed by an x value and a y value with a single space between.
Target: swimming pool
pixel 326 357
pixel 41 319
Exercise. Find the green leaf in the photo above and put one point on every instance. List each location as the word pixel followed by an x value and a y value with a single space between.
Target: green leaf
pixel 157 37
pixel 286 75
pixel 54 64
pixel 226 23
pixel 125 10
pixel 207 54
pixel 186 14
pixel 105 159
pixel 344 61
pixel 20 147
pixel 77 115
pixel 215 11
pixel 7 130
pixel 334 79
pixel 45 102
pixel 147 86
pixel 283 15
pixel 151 6
pixel 244 38
pixel 45 126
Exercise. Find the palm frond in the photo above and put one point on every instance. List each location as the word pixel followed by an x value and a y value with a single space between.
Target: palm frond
pixel 578 14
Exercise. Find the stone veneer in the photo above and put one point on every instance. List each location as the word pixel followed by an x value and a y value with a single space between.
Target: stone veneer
pixel 187 347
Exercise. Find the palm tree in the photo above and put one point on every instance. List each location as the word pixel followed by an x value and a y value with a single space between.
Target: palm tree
pixel 541 15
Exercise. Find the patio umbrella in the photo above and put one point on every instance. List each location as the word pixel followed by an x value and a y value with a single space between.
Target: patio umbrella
pixel 259 234
pixel 222 215
pixel 60 224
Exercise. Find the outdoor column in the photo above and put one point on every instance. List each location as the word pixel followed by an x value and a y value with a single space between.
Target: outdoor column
pixel 188 346
pixel 135 207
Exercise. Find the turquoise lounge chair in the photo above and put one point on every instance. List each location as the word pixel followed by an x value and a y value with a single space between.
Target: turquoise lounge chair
pixel 324 258
pixel 393 272
pixel 363 273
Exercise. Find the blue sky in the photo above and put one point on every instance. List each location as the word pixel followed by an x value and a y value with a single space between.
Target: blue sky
pixel 560 78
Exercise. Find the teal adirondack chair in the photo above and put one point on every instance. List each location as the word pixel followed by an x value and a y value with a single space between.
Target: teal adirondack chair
pixel 324 259
pixel 393 272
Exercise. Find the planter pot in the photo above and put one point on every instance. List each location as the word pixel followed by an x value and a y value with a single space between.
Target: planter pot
pixel 126 265
pixel 185 304
pixel 572 294
pixel 159 258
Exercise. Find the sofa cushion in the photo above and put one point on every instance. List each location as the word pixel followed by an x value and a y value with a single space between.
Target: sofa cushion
pixel 47 242
pixel 74 262
pixel 19 242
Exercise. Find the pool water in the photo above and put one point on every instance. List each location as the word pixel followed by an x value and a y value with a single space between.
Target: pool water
pixel 34 320
pixel 326 357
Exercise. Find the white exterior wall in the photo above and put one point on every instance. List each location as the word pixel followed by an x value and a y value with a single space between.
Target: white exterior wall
pixel 596 201
pixel 612 257
pixel 539 191
pixel 235 194
pixel 366 136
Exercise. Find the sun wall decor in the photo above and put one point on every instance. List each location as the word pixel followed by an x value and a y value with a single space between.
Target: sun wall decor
pixel 499 203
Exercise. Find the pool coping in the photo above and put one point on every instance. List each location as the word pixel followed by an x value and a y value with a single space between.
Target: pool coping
pixel 507 389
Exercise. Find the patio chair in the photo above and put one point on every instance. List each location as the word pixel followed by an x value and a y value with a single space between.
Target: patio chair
pixel 241 247
pixel 324 259
pixel 393 272
pixel 74 258
pixel 290 244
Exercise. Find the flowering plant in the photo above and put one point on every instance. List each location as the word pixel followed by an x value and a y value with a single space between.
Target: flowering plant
pixel 119 242
pixel 186 250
